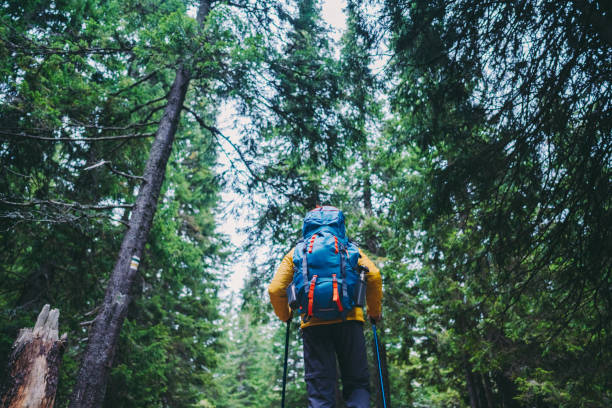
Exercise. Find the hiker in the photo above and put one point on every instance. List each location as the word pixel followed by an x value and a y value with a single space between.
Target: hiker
pixel 323 278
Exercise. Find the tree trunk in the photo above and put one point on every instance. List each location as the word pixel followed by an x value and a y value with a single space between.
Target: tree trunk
pixel 314 194
pixel 486 386
pixel 367 184
pixel 91 383
pixel 479 397
pixel 34 364
pixel 471 388
pixel 507 391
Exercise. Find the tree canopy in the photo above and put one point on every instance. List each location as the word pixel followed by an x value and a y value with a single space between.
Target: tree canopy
pixel 468 143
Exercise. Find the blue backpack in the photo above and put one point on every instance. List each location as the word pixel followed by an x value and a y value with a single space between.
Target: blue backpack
pixel 325 268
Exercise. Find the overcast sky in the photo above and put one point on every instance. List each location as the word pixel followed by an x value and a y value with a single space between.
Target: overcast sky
pixel 227 222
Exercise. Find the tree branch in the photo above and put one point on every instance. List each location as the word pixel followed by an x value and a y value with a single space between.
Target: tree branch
pixel 39 216
pixel 108 164
pixel 126 127
pixel 138 82
pixel 37 49
pixel 79 139
pixel 217 132
pixel 77 206
pixel 151 102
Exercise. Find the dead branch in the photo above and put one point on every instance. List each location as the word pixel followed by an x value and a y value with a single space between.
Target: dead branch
pixel 79 139
pixel 87 323
pixel 216 132
pixel 108 164
pixel 77 206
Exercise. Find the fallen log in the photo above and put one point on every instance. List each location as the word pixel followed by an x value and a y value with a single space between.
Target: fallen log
pixel 34 364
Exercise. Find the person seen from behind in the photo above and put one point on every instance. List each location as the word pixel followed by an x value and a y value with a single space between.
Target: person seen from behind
pixel 329 280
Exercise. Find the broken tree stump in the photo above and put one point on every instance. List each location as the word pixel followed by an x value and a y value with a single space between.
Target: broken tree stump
pixel 34 364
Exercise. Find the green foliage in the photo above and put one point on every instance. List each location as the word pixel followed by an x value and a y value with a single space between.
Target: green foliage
pixel 170 346
pixel 510 156
pixel 472 162
pixel 90 71
pixel 298 132
pixel 248 369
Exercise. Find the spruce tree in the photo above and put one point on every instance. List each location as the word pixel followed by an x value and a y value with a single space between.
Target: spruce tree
pixel 505 108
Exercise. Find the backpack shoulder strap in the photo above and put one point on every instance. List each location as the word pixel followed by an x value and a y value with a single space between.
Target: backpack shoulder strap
pixel 305 264
pixel 343 251
pixel 302 247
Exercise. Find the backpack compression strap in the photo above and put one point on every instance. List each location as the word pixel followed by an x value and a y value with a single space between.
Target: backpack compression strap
pixel 311 295
pixel 311 243
pixel 335 297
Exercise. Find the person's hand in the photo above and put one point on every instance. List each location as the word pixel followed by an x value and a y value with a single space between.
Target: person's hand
pixel 375 319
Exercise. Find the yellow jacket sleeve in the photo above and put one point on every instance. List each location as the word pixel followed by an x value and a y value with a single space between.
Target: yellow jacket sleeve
pixel 278 287
pixel 373 285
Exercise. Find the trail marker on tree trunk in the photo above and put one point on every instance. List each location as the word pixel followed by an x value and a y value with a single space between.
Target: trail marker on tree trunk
pixel 90 388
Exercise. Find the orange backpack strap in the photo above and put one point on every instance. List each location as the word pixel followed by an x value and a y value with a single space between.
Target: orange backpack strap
pixel 311 243
pixel 335 296
pixel 311 295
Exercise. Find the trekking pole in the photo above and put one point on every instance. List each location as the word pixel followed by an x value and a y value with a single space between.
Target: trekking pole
pixel 380 376
pixel 285 367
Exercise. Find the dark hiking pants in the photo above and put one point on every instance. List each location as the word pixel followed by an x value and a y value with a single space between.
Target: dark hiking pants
pixel 322 344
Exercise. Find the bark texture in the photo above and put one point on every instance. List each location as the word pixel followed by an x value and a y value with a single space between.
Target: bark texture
pixel 34 364
pixel 90 388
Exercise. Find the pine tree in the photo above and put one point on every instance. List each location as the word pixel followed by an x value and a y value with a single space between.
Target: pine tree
pixel 500 106
pixel 78 119
pixel 298 135
pixel 56 209
pixel 170 345
pixel 248 371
